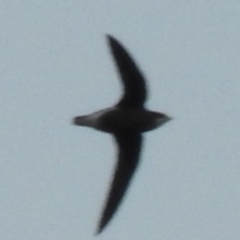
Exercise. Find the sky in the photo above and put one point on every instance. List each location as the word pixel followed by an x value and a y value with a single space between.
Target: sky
pixel 55 65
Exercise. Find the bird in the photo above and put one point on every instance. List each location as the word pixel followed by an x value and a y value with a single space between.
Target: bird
pixel 126 121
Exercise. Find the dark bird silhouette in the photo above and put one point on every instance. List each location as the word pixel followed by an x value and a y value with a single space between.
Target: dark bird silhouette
pixel 126 121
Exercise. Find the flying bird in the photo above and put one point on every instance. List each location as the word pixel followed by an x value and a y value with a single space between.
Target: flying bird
pixel 126 121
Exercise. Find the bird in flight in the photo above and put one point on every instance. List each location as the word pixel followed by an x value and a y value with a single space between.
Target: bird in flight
pixel 126 121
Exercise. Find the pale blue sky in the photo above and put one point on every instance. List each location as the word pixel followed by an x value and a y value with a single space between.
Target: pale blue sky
pixel 55 64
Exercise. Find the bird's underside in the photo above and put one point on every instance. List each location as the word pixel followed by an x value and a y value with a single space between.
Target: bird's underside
pixel 126 121
pixel 128 142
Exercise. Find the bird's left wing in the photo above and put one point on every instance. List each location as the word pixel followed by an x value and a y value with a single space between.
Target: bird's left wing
pixel 129 146
pixel 134 84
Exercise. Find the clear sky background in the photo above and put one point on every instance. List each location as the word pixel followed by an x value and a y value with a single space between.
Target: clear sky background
pixel 55 64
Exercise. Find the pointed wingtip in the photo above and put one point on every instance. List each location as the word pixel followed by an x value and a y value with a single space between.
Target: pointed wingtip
pixel 100 228
pixel 107 35
pixel 109 38
pixel 98 232
pixel 102 224
pixel 113 43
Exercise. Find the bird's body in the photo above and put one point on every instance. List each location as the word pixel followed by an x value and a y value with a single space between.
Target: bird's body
pixel 113 120
pixel 126 121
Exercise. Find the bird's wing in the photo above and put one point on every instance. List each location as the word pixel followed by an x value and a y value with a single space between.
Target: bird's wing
pixel 134 85
pixel 129 146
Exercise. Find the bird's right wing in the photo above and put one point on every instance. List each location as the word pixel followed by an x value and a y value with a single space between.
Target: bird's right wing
pixel 129 146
